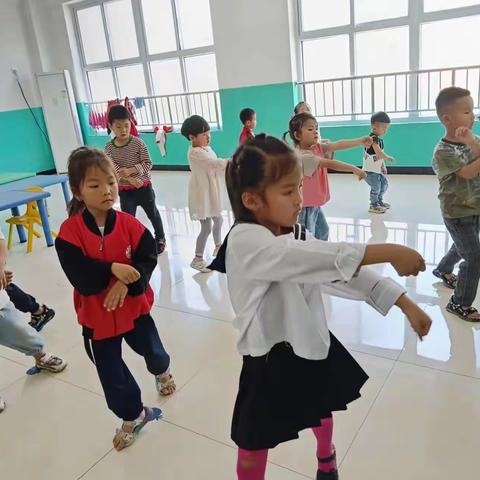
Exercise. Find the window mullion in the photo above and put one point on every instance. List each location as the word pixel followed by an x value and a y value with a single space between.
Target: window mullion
pixel 109 50
pixel 142 44
pixel 176 25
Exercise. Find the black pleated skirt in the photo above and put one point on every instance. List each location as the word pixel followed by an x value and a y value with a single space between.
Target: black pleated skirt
pixel 281 394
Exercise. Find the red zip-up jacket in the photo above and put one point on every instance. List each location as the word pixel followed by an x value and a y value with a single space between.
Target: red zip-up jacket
pixel 86 258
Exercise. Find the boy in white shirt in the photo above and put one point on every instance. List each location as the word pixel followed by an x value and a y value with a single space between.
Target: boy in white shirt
pixel 374 165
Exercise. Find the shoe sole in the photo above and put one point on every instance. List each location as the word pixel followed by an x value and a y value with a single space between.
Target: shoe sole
pixel 466 319
pixel 53 370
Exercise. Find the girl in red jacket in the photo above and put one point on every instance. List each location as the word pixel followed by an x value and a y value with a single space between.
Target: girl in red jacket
pixel 108 257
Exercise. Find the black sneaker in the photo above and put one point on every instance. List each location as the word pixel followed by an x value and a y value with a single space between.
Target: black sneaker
pixel 161 245
pixel 38 321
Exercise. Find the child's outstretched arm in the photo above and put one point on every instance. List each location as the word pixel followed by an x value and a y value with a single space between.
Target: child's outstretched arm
pixel 382 294
pixel 381 154
pixel 346 144
pixel 207 162
pixel 311 162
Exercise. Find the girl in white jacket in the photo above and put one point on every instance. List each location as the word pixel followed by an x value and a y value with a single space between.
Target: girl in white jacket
pixel 295 372
pixel 204 187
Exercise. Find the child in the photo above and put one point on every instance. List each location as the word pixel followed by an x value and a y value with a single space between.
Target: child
pixel 373 163
pixel 303 129
pixel 204 187
pixel 132 163
pixel 295 372
pixel 248 118
pixel 108 257
pixel 40 315
pixel 456 161
pixel 302 107
pixel 15 333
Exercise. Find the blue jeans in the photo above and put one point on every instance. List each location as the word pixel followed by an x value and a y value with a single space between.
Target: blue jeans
pixel 466 247
pixel 16 333
pixel 378 186
pixel 313 219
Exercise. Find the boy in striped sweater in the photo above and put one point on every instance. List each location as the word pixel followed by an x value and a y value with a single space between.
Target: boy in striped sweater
pixel 133 164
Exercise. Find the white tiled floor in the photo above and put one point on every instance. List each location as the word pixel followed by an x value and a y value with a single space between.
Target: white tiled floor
pixel 418 417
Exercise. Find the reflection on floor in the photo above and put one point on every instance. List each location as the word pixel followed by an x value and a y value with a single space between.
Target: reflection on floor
pixel 417 419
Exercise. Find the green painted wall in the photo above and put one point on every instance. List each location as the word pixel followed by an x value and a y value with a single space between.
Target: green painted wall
pixel 411 143
pixel 26 149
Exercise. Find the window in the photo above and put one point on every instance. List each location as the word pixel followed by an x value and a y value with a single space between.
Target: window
pixel 121 29
pixel 143 48
pixel 326 57
pixel 159 26
pixel 449 43
pixel 435 5
pixel 370 10
pixel 356 62
pixel 92 34
pixel 321 14
pixel 381 51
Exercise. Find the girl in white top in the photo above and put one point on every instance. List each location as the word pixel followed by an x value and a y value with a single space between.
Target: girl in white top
pixel 295 372
pixel 204 187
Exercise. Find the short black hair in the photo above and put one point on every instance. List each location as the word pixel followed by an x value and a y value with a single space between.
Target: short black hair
pixel 117 112
pixel 194 125
pixel 448 95
pixel 379 117
pixel 246 114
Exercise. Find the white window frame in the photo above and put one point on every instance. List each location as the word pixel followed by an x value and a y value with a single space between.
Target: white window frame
pixel 144 58
pixel 414 19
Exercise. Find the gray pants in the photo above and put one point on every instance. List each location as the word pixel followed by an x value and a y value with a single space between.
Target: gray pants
pixel 205 231
pixel 466 245
pixel 16 333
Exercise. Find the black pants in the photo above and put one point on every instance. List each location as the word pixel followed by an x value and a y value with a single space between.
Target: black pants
pixel 122 392
pixel 145 198
pixel 22 300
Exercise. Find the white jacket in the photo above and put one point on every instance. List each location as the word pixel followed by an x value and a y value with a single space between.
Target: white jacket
pixel 204 185
pixel 276 285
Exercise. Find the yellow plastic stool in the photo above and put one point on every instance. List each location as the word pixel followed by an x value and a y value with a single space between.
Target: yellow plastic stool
pixel 28 220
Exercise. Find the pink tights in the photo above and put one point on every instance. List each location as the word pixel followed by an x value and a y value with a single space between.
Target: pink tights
pixel 251 464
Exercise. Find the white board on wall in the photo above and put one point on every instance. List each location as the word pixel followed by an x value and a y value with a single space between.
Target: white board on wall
pixel 61 117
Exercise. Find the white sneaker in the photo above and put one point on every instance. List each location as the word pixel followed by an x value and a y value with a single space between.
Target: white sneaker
pixel 2 405
pixel 200 265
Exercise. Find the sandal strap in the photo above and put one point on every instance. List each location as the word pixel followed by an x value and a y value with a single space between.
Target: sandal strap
pixel 331 458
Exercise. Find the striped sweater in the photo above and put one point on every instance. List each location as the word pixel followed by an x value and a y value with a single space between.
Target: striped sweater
pixel 133 154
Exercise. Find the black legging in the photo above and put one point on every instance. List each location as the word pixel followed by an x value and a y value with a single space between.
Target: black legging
pixel 22 300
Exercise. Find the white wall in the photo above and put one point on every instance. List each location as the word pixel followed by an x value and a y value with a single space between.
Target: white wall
pixel 17 50
pixel 252 42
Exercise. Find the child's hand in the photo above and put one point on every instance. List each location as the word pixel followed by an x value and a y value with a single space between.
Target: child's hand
pixel 136 182
pixel 8 277
pixel 116 296
pixel 407 261
pixel 418 319
pixel 390 159
pixel 384 170
pixel 359 173
pixel 125 273
pixel 464 135
pixel 366 141
pixel 127 172
pixel 3 280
